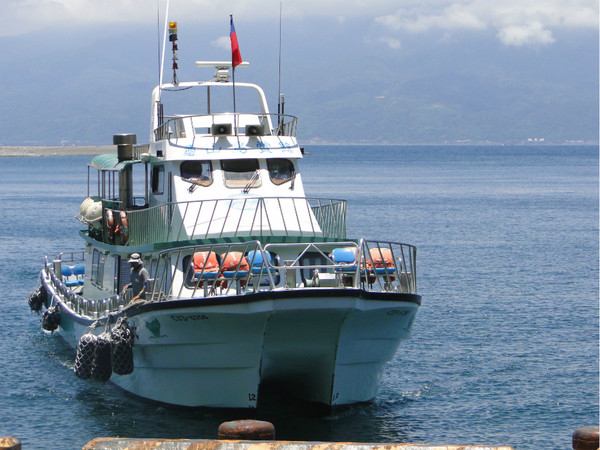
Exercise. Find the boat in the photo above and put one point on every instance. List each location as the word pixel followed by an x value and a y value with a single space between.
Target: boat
pixel 250 282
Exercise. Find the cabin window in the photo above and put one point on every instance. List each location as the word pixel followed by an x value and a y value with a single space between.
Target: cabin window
pixel 97 267
pixel 108 184
pixel 241 173
pixel 280 170
pixel 158 179
pixel 197 172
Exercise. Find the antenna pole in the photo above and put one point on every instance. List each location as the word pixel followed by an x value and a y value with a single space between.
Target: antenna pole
pixel 234 109
pixel 158 38
pixel 164 44
pixel 279 111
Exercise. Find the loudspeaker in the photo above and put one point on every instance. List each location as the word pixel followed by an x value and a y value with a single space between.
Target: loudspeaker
pixel 255 130
pixel 221 129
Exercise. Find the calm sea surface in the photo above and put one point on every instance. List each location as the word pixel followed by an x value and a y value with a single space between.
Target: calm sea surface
pixel 504 349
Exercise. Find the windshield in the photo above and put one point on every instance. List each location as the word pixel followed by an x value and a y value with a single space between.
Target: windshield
pixel 239 172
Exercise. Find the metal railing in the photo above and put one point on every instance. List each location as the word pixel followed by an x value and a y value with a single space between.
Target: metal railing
pixel 239 217
pixel 379 267
pixel 71 295
pixel 177 275
pixel 188 126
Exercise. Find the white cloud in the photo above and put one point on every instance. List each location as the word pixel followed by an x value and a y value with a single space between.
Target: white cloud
pixel 416 20
pixel 531 34
pixel 517 22
pixel 21 16
pixel 223 42
pixel 391 42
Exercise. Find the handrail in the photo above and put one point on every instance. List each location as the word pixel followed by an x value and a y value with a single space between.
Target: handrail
pixel 173 129
pixel 71 296
pixel 233 217
pixel 174 275
pixel 265 271
pixel 398 273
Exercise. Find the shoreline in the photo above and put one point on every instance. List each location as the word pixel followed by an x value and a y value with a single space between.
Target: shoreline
pixel 22 150
pixel 93 150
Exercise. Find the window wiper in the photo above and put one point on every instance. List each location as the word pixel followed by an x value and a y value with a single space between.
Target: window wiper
pixel 252 181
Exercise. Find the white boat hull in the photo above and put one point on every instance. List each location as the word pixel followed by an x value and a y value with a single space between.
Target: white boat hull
pixel 328 349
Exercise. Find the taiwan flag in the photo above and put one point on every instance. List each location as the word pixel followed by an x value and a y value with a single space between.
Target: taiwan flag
pixel 236 56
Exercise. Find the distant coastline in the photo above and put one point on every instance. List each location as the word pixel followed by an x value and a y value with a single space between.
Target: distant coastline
pixel 92 150
pixel 56 150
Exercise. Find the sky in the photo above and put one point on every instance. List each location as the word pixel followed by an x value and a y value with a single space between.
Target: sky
pixel 515 22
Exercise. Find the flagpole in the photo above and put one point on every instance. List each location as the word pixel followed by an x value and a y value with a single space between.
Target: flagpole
pixel 234 109
pixel 234 44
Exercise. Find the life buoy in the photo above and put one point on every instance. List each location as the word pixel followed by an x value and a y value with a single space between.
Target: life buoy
pixel 124 227
pixel 110 223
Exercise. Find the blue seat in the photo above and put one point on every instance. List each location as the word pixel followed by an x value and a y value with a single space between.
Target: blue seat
pixel 234 265
pixel 233 273
pixel 384 270
pixel 256 259
pixel 206 275
pixel 344 258
pixel 69 276
pixel 205 265
pixel 79 272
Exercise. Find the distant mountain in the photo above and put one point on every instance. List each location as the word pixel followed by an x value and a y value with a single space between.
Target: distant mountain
pixel 78 87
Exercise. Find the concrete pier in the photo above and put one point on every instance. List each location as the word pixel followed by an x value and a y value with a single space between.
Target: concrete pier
pixel 193 444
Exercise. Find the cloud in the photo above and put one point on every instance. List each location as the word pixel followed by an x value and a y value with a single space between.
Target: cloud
pixel 391 42
pixel 22 16
pixel 517 22
pixel 531 34
pixel 224 42
pixel 416 20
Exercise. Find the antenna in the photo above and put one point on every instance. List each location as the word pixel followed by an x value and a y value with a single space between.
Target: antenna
pixel 279 111
pixel 161 58
pixel 158 38
pixel 164 44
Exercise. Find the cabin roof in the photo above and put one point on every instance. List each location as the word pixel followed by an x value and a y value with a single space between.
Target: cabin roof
pixel 110 161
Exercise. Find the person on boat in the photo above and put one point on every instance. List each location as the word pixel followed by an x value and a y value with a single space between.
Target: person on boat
pixel 139 277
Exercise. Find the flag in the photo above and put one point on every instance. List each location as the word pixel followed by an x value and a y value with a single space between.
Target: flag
pixel 236 56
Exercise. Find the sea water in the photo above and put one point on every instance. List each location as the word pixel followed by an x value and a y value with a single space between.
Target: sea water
pixel 504 350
